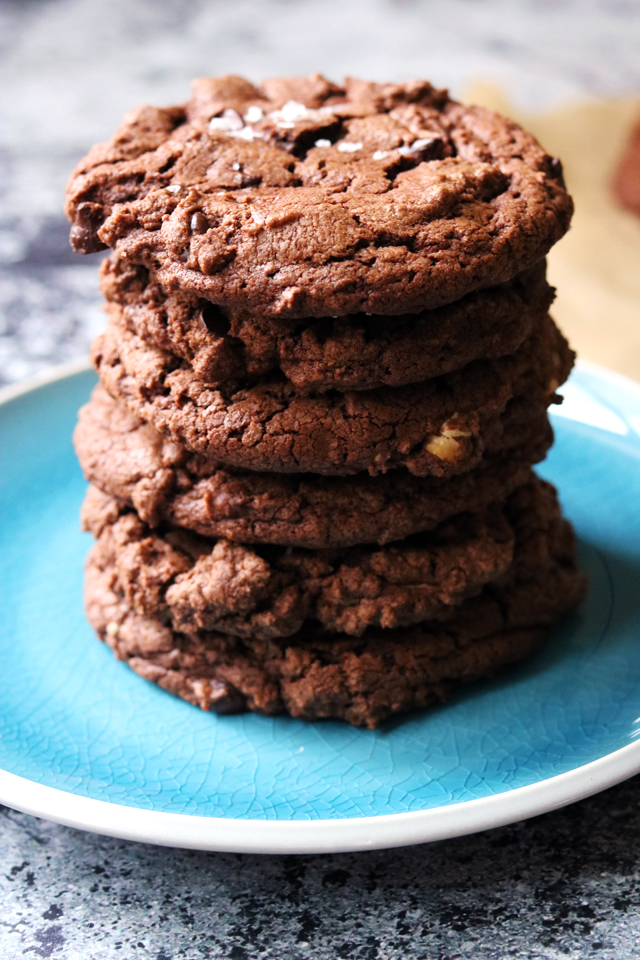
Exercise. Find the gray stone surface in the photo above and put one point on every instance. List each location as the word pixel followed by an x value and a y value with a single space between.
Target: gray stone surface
pixel 564 885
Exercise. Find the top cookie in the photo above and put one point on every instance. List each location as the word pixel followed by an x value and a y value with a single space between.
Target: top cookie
pixel 309 199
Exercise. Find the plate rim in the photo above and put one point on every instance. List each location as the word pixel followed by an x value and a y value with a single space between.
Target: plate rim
pixel 326 835
pixel 337 835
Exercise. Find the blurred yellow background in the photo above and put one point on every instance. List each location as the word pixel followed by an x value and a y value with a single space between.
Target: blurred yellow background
pixel 596 267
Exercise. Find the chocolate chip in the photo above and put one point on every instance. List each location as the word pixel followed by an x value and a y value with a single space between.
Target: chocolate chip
pixel 84 232
pixel 213 319
pixel 225 698
pixel 556 171
pixel 199 223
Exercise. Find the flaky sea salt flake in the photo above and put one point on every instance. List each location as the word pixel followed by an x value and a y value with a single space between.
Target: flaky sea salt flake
pixel 292 110
pixel 415 147
pixel 227 123
pixel 253 115
pixel 348 147
pixel 246 133
pixel 322 143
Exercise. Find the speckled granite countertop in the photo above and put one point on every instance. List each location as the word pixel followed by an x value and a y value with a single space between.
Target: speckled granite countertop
pixel 563 885
pixel 566 885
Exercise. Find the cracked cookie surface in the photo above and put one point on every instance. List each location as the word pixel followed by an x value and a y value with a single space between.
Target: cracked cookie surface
pixel 193 583
pixel 440 427
pixel 310 199
pixel 128 459
pixel 358 352
pixel 311 674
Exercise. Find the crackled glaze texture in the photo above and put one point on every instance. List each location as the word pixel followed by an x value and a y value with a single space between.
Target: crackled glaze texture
pixel 84 723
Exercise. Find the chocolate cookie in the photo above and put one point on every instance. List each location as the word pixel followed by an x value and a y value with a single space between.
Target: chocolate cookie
pixel 311 199
pixel 130 461
pixel 347 353
pixel 439 427
pixel 363 680
pixel 193 583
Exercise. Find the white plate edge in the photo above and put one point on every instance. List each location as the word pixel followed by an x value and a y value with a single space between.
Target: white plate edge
pixel 318 836
pixel 60 372
pixel 312 836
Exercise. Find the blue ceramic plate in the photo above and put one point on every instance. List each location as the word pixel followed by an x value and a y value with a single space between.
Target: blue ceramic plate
pixel 85 741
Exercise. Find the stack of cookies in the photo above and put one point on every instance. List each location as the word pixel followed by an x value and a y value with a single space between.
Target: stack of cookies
pixel 323 385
